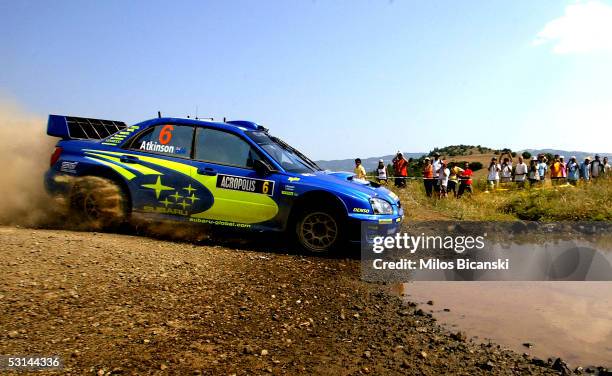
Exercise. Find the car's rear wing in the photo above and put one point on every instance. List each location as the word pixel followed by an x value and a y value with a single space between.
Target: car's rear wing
pixel 72 127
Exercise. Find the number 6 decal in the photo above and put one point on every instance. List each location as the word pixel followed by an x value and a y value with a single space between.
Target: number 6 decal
pixel 166 134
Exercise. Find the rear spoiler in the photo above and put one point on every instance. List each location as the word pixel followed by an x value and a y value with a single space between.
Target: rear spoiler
pixel 71 127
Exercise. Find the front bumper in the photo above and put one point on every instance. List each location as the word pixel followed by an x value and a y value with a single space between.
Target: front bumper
pixel 373 225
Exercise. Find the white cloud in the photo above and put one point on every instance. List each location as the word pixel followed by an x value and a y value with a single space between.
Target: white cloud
pixel 585 27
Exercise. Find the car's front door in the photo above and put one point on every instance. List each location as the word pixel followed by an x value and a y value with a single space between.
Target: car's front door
pixel 223 163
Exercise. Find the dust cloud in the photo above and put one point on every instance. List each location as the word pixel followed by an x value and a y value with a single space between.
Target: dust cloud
pixel 25 150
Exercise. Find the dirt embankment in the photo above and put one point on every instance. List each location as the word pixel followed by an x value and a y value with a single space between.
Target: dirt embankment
pixel 112 303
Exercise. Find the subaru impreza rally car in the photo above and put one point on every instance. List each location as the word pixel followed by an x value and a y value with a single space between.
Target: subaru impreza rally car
pixel 233 174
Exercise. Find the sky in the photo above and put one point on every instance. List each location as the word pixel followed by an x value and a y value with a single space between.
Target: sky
pixel 336 79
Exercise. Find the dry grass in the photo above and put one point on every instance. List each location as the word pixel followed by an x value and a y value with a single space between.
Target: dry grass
pixel 588 202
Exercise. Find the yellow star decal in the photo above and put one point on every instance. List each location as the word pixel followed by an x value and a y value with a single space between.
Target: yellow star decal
pixel 165 202
pixel 189 189
pixel 158 187
pixel 176 196
pixel 183 204
pixel 192 198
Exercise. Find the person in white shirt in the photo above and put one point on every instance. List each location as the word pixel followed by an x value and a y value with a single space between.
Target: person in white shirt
pixel 596 167
pixel 381 172
pixel 493 177
pixel 520 173
pixel 506 171
pixel 443 179
pixel 606 166
pixel 436 163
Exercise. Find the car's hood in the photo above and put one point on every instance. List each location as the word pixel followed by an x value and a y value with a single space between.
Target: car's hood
pixel 347 182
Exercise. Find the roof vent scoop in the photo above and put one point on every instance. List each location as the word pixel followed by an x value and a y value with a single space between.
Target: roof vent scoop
pixel 245 124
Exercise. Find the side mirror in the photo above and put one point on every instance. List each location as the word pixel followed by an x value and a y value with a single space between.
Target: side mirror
pixel 262 167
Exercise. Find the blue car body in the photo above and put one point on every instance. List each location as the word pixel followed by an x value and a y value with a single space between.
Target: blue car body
pixel 200 177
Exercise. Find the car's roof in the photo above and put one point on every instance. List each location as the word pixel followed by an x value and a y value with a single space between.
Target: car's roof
pixel 232 125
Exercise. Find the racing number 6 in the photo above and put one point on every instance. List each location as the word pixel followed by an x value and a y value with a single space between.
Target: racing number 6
pixel 166 134
pixel 266 187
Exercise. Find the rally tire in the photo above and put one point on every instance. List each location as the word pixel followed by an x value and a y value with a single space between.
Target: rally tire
pixel 99 203
pixel 319 231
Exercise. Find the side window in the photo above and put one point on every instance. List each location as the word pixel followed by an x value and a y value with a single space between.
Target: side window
pixel 224 148
pixel 167 139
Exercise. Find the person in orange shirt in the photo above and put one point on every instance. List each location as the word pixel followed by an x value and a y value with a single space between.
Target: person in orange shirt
pixel 400 166
pixel 428 177
pixel 556 172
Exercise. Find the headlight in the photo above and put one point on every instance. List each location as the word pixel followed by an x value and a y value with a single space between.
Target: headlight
pixel 380 206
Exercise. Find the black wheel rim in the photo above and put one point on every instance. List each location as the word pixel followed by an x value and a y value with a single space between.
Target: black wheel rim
pixel 318 231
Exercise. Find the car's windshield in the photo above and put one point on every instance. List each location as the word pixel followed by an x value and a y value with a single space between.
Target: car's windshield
pixel 288 157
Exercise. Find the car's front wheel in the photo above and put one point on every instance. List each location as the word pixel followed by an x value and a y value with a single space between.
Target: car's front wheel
pixel 319 230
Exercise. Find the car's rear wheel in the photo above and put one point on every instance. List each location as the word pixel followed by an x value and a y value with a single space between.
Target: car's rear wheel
pixel 319 230
pixel 99 202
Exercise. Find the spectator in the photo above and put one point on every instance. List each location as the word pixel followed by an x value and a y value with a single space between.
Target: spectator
pixel 381 172
pixel 436 164
pixel 534 174
pixel 520 173
pixel 400 166
pixel 542 167
pixel 606 166
pixel 453 179
pixel 466 180
pixel 359 170
pixel 573 171
pixel 443 178
pixel 506 170
pixel 493 177
pixel 596 167
pixel 555 170
pixel 585 169
pixel 428 177
pixel 563 167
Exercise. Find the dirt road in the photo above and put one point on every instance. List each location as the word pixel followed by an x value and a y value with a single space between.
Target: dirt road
pixel 120 304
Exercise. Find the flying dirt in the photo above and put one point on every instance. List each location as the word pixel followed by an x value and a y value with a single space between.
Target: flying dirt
pixel 24 154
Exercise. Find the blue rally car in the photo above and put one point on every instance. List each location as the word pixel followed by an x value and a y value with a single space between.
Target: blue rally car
pixel 231 173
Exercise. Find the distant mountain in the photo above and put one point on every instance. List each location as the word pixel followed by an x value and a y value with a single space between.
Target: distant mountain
pixel 580 155
pixel 370 164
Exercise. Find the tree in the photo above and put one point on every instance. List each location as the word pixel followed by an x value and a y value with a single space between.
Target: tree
pixel 526 155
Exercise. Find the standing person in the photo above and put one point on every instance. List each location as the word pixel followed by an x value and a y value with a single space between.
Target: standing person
pixel 542 167
pixel 573 171
pixel 555 170
pixel 359 170
pixel 436 164
pixel 606 166
pixel 585 169
pixel 453 180
pixel 466 180
pixel 563 168
pixel 520 173
pixel 443 178
pixel 533 174
pixel 493 177
pixel 506 170
pixel 400 166
pixel 596 167
pixel 381 172
pixel 428 177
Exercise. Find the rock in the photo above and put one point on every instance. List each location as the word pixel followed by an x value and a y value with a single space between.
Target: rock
pixel 406 364
pixel 560 366
pixel 539 362
pixel 578 370
pixel 430 302
pixel 446 309
pixel 528 345
pixel 423 354
pixel 459 336
pixel 163 367
pixel 264 352
pixel 367 354
pixel 13 334
pixel 247 349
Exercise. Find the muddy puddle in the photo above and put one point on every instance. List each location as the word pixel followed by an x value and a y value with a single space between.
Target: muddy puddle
pixel 567 319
